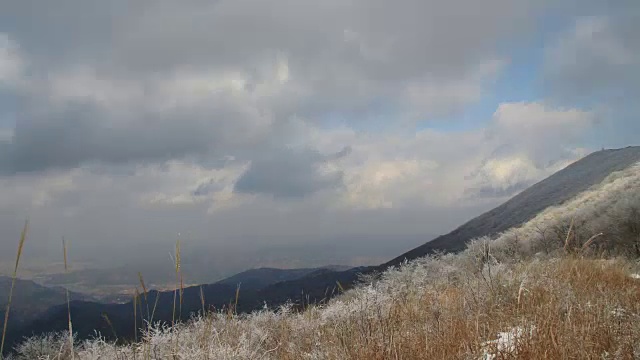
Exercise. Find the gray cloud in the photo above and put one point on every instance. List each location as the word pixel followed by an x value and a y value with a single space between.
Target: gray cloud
pixel 598 58
pixel 595 61
pixel 98 74
pixel 78 133
pixel 290 173
pixel 165 116
pixel 206 188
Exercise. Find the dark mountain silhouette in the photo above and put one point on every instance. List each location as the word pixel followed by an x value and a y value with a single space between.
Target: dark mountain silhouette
pixel 30 301
pixel 258 287
pixel 256 279
pixel 321 284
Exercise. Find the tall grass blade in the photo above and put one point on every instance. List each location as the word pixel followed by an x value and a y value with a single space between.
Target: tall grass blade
pixel 569 233
pixel 235 305
pixel 135 315
pixel 106 318
pixel 145 292
pixel 66 270
pixel 155 305
pixel 23 237
pixel 175 292
pixel 202 301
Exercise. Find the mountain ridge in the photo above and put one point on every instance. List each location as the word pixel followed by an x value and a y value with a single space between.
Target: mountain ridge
pixel 552 191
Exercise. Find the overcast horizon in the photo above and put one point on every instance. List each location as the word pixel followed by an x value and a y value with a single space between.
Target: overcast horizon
pixel 246 123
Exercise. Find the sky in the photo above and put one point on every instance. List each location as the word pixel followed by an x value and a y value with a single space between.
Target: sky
pixel 242 123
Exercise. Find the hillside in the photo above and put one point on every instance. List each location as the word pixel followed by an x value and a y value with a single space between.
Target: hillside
pixel 564 284
pixel 552 191
pixel 30 301
pixel 31 297
pixel 587 177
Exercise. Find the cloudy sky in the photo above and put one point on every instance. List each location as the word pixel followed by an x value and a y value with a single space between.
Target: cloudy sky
pixel 250 121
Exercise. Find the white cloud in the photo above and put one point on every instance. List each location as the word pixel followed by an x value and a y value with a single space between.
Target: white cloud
pixel 528 142
pixel 505 176
pixel 536 120
pixel 381 184
pixel 11 63
pixel 429 98
pixel 539 130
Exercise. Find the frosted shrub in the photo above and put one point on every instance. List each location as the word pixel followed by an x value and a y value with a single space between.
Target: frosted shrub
pixel 47 346
pixel 610 210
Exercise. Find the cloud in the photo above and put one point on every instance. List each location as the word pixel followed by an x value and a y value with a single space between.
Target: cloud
pixel 598 56
pixel 427 98
pixel 224 79
pixel 530 142
pixel 385 183
pixel 538 129
pixel 11 62
pixel 185 184
pixel 5 135
pixel 77 134
pixel 506 176
pixel 522 143
pixel 255 119
pixel 88 126
pixel 291 173
pixel 595 62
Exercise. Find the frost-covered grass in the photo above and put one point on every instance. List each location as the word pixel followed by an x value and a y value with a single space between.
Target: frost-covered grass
pixel 607 214
pixel 443 307
pixel 548 289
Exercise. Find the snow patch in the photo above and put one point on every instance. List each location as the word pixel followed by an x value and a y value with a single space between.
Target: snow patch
pixel 506 343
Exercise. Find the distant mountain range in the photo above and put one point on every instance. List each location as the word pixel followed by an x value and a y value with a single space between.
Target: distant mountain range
pixel 38 309
pixel 256 279
pixel 30 301
pixel 272 287
pixel 209 263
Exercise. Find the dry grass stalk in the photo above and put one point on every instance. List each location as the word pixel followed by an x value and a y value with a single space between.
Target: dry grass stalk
pixel 590 241
pixel 179 286
pixel 566 241
pixel 135 315
pixel 23 237
pixel 66 270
